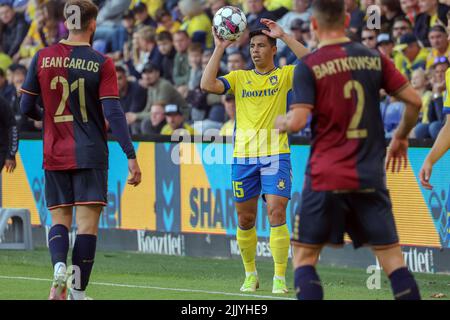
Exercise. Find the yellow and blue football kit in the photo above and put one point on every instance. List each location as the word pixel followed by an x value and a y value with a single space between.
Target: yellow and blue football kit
pixel 261 154
pixel 446 109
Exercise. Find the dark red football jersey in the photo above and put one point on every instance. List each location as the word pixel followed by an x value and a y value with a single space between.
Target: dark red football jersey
pixel 72 79
pixel 342 81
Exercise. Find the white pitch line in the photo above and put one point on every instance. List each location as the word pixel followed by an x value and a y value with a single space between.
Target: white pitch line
pixel 157 288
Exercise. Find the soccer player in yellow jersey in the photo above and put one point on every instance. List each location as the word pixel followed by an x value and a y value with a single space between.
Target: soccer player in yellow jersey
pixel 261 156
pixel 442 143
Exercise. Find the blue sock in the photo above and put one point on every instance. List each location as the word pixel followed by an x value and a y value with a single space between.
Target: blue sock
pixel 58 243
pixel 307 284
pixel 403 285
pixel 83 255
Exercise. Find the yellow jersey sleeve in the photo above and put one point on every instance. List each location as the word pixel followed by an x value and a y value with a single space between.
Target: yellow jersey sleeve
pixel 446 109
pixel 229 81
pixel 289 74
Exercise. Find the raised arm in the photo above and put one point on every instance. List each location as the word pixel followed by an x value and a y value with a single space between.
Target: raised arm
pixel 209 81
pixel 278 33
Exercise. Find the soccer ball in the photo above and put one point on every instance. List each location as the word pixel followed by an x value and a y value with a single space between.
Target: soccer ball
pixel 229 23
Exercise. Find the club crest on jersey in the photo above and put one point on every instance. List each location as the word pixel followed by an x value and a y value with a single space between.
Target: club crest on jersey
pixel 281 184
pixel 273 80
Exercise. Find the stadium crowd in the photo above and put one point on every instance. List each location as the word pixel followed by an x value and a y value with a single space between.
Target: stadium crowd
pixel 161 49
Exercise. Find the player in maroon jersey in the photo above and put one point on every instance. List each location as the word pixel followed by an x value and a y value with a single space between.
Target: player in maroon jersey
pixel 78 86
pixel 345 181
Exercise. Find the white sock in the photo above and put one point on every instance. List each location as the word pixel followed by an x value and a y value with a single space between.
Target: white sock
pixel 78 294
pixel 60 268
pixel 251 273
pixel 279 278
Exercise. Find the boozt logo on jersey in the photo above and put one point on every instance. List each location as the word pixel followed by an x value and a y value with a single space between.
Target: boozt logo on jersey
pixel 259 93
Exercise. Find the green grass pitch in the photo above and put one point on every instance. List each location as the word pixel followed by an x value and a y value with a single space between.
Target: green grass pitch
pixel 126 275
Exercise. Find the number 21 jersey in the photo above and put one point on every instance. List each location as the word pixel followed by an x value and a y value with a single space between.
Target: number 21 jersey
pixel 72 79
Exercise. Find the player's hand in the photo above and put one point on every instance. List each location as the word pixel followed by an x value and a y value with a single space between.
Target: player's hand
pixel 131 117
pixel 397 155
pixel 10 165
pixel 219 42
pixel 275 30
pixel 281 124
pixel 135 172
pixel 425 175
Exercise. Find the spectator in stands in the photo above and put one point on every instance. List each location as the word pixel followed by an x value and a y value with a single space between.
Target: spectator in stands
pixel 356 17
pixel 212 124
pixel 109 23
pixel 142 16
pixel 46 29
pixel 385 44
pixel 300 12
pixel 196 22
pixel 257 11
pixel 401 26
pixel 153 5
pixel 215 5
pixel 24 123
pixel 392 115
pixel 411 55
pixel 181 42
pixel 7 90
pixel 230 108
pixel 431 13
pixel 236 61
pixel 145 50
pixel 439 44
pixel 129 27
pixel 165 22
pixel 410 9
pixel 159 90
pixel 157 120
pixel 391 10
pixel 133 97
pixel 175 121
pixel 369 38
pixel 165 46
pixel 434 112
pixel 196 97
pixel 13 29
pixel 419 82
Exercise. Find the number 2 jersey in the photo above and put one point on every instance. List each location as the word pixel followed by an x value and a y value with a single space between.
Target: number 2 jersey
pixel 72 79
pixel 342 81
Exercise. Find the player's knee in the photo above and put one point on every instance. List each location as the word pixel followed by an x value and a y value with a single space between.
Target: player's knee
pixel 277 215
pixel 246 220
pixel 303 256
pixel 87 228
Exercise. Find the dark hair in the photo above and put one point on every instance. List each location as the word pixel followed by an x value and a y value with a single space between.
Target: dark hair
pixel 161 13
pixel 392 5
pixel 438 28
pixel 164 35
pixel 150 67
pixel 404 19
pixel 183 32
pixel 329 13
pixel 259 32
pixel 2 73
pixel 88 10
pixel 366 28
pixel 19 67
pixel 196 47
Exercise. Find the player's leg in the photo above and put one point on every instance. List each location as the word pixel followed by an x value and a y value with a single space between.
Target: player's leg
pixel 374 224
pixel 276 189
pixel 246 189
pixel 90 192
pixel 279 239
pixel 306 280
pixel 403 284
pixel 59 199
pixel 247 241
pixel 83 253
